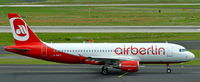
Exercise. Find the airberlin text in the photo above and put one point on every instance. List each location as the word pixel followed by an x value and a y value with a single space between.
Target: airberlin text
pixel 152 50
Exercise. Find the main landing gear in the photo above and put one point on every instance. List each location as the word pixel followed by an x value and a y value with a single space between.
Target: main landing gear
pixel 168 69
pixel 104 70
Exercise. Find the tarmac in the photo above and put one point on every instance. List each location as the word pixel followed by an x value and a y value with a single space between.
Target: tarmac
pixel 91 73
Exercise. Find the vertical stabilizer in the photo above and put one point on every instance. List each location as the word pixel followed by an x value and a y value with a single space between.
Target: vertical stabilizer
pixel 21 32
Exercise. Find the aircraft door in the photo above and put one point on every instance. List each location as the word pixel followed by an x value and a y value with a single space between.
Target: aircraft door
pixel 44 51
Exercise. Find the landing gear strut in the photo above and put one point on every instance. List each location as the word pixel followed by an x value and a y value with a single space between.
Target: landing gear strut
pixel 168 69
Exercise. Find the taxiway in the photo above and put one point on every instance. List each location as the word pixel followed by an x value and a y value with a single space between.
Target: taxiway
pixel 91 73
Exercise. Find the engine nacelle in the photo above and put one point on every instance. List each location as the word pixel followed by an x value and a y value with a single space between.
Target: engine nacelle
pixel 129 66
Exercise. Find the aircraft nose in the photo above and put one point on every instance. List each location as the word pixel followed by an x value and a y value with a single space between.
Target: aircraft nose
pixel 190 55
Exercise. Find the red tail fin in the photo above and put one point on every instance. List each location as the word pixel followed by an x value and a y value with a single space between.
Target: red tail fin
pixel 21 32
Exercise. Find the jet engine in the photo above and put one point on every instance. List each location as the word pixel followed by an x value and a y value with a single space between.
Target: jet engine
pixel 129 66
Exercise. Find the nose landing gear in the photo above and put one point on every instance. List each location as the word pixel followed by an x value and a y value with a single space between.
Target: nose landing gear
pixel 168 69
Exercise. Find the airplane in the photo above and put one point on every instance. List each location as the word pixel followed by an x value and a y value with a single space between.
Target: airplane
pixel 123 56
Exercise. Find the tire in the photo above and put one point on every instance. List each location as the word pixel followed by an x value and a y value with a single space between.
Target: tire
pixel 104 71
pixel 169 70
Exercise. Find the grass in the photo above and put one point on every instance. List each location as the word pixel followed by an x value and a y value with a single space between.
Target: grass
pixel 94 1
pixel 7 39
pixel 105 16
pixel 193 62
pixel 9 55
pixel 25 61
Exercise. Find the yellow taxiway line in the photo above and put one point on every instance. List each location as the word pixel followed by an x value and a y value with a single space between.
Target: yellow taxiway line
pixel 122 75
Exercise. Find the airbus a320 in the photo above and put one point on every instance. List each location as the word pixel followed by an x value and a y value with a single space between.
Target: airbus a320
pixel 124 56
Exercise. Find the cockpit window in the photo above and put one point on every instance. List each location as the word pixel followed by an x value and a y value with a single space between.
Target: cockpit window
pixel 182 50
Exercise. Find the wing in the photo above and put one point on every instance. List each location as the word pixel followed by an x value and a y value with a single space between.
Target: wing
pixel 110 59
pixel 118 57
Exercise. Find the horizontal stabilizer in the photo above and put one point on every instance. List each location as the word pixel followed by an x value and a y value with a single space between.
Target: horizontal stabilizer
pixel 19 49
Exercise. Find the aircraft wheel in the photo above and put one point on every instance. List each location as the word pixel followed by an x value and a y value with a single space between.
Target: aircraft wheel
pixel 104 70
pixel 169 70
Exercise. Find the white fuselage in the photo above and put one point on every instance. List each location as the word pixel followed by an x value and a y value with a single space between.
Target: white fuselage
pixel 146 52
